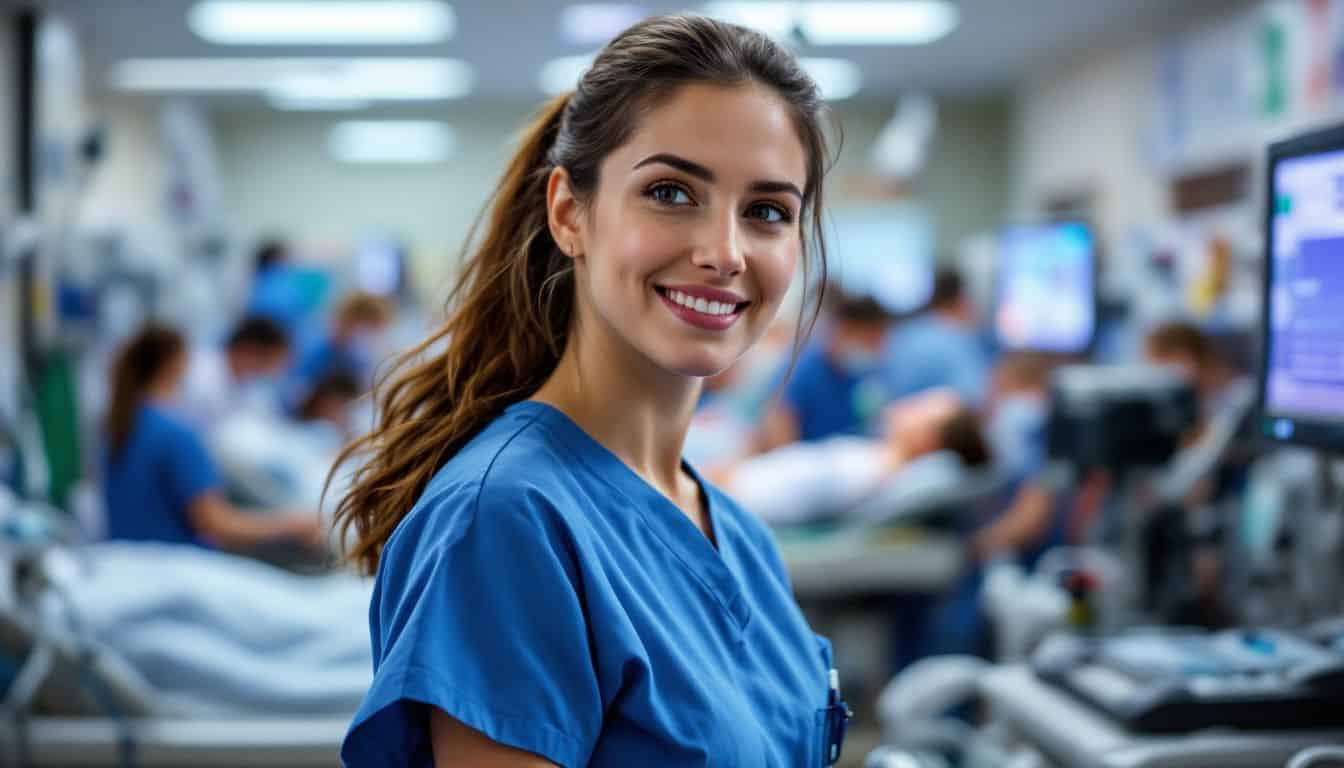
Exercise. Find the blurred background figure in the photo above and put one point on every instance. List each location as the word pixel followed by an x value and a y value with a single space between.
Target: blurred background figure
pixel 352 341
pixel 833 388
pixel 246 374
pixel 160 483
pixel 942 346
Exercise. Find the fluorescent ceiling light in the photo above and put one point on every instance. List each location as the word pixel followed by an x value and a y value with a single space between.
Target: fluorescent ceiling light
pixel 322 22
pixel 563 74
pixel 845 22
pixel 291 104
pixel 596 23
pixel 395 142
pixel 366 79
pixel 379 79
pixel 837 78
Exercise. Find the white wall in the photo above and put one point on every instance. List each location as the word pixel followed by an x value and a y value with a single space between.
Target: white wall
pixel 128 187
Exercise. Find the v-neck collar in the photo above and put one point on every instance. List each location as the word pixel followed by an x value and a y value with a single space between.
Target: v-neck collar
pixel 672 526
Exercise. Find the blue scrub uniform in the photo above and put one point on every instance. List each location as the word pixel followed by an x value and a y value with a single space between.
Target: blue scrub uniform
pixel 545 595
pixel 829 400
pixel 150 484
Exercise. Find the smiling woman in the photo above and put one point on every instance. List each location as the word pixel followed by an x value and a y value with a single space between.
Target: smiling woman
pixel 554 584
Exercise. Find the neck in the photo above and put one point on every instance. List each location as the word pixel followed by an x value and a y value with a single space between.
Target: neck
pixel 635 409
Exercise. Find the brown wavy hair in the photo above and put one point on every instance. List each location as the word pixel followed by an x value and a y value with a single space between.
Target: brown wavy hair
pixel 509 314
pixel 138 363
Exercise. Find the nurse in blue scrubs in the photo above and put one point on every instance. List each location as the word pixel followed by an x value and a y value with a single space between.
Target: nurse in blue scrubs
pixel 158 481
pixel 555 586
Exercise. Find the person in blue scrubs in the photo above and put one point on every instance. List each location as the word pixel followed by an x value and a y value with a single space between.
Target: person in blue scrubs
pixel 554 584
pixel 941 347
pixel 835 389
pixel 352 343
pixel 158 481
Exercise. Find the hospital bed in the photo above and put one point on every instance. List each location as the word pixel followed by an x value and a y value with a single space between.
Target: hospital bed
pixel 902 538
pixel 115 667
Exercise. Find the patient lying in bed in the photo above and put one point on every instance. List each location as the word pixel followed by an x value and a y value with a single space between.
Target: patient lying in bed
pixel 929 437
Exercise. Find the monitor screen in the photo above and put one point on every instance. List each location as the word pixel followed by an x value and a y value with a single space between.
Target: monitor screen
pixel 1046 288
pixel 1302 377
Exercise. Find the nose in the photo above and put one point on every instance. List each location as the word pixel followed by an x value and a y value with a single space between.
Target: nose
pixel 721 250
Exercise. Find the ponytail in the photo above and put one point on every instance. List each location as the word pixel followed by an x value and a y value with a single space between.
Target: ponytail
pixel 498 346
pixel 136 366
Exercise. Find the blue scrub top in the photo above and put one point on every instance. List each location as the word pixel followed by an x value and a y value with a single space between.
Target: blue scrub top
pixel 828 400
pixel 545 595
pixel 928 352
pixel 149 485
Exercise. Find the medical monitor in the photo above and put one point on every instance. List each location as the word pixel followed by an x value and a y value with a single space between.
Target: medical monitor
pixel 1302 368
pixel 1045 293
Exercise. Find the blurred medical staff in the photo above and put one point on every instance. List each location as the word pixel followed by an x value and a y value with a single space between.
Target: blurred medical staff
pixel 835 388
pixel 245 375
pixel 353 342
pixel 158 481
pixel 941 347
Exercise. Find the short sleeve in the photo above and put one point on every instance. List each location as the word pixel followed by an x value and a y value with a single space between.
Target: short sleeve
pixel 191 472
pixel 477 612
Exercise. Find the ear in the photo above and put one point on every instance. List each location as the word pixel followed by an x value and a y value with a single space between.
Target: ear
pixel 564 215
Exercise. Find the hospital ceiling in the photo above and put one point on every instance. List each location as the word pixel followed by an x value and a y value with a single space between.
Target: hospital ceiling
pixel 507 41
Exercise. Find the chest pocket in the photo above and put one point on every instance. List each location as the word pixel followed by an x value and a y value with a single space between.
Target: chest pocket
pixel 830 722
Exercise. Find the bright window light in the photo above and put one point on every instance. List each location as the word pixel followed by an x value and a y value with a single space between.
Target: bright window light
pixel 310 79
pixel 845 22
pixel 596 23
pixel 563 74
pixel 322 22
pixel 391 142
pixel 837 78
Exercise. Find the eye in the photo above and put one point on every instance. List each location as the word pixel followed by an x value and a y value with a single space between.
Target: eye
pixel 668 193
pixel 769 213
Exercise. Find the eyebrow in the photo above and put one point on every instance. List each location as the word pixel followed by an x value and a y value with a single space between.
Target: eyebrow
pixel 701 172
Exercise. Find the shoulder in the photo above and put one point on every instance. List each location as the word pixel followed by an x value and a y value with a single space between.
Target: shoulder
pixel 504 482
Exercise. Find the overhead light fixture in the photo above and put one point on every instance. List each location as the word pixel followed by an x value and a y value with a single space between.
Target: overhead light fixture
pixel 291 104
pixel 563 74
pixel 836 78
pixel 322 22
pixel 844 22
pixel 596 23
pixel 379 80
pixel 391 142
pixel 341 79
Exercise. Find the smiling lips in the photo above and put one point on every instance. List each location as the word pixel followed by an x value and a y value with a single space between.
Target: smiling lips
pixel 703 307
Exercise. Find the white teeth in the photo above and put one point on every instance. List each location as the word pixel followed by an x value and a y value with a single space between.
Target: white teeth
pixel 702 305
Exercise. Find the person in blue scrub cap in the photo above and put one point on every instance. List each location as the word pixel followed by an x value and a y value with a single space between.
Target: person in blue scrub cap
pixel 159 483
pixel 836 388
pixel 554 584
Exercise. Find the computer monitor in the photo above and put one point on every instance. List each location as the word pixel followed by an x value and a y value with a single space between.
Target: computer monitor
pixel 1046 297
pixel 885 251
pixel 1302 368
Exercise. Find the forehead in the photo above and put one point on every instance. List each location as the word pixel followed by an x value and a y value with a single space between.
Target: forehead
pixel 740 132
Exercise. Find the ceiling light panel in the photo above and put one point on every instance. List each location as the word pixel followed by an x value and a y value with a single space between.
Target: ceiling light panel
pixel 322 22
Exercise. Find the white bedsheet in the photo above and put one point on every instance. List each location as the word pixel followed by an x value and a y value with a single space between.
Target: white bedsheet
pixel 215 634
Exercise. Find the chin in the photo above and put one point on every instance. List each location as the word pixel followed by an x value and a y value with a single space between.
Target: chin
pixel 698 364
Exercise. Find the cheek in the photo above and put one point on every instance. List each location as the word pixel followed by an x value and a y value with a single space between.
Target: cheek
pixel 774 268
